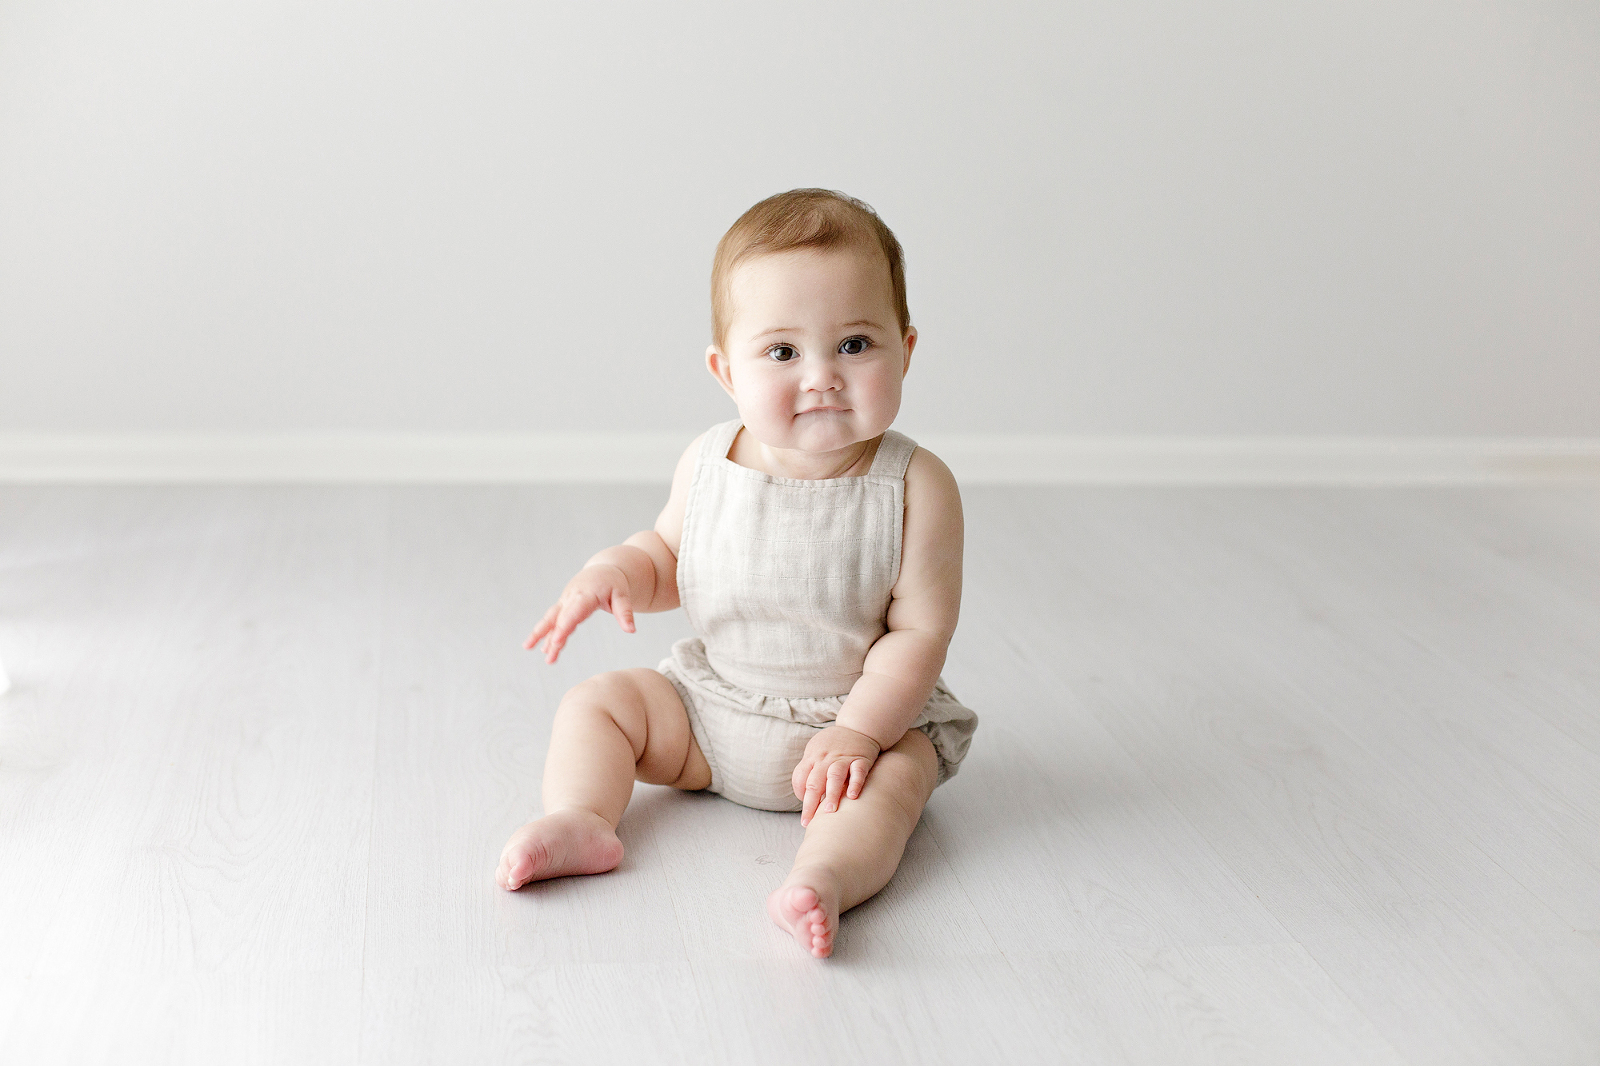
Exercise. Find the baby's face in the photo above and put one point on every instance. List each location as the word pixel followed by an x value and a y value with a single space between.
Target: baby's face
pixel 813 357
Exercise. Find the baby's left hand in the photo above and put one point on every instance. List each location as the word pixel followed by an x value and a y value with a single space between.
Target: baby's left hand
pixel 833 769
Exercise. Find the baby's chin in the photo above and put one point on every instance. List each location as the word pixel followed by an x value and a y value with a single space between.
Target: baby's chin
pixel 816 431
pixel 822 432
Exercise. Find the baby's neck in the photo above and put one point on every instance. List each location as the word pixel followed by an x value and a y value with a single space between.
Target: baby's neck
pixel 853 461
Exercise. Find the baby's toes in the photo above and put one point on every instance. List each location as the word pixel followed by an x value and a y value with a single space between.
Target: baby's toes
pixel 790 907
pixel 517 867
pixel 799 902
pixel 821 933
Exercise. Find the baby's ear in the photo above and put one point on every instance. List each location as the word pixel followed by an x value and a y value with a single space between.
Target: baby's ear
pixel 910 343
pixel 717 363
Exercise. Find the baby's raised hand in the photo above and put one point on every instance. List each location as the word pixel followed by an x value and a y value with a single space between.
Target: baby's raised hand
pixel 833 769
pixel 603 586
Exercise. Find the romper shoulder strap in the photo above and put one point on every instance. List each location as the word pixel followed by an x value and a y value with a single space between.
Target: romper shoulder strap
pixel 894 455
pixel 718 439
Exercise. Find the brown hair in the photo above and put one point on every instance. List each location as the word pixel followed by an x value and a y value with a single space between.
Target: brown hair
pixel 803 218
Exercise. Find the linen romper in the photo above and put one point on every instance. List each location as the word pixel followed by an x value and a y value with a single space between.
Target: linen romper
pixel 787 584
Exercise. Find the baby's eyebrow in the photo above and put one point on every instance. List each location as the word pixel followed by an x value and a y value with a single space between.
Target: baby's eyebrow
pixel 796 329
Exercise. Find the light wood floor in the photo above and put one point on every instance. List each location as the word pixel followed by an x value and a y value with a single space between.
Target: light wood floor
pixel 1264 775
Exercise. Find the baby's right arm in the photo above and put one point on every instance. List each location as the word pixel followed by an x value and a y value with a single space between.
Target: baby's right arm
pixel 641 573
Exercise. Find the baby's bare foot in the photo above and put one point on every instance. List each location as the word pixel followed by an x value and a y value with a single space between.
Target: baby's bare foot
pixel 807 905
pixel 569 841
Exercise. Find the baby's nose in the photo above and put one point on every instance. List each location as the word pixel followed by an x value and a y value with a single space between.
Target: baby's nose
pixel 823 375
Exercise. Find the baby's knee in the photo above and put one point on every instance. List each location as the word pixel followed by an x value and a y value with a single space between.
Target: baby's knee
pixel 615 694
pixel 910 770
pixel 602 689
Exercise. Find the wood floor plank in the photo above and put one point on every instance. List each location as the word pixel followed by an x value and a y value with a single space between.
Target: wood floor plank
pixel 233 1017
pixel 204 741
pixel 1532 805
pixel 1255 1003
pixel 1344 629
pixel 1526 635
pixel 1551 532
pixel 1090 842
pixel 924 1009
pixel 1330 839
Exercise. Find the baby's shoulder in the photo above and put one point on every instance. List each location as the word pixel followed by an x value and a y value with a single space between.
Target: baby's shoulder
pixel 669 523
pixel 690 454
pixel 931 543
pixel 933 516
pixel 929 479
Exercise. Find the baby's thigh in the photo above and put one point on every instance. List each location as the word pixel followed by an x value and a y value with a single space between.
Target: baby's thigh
pixel 647 709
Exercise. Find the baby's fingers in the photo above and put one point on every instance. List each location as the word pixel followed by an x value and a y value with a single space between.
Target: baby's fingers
pixel 557 640
pixel 816 784
pixel 858 777
pixel 546 624
pixel 622 609
pixel 572 612
pixel 838 778
pixel 797 780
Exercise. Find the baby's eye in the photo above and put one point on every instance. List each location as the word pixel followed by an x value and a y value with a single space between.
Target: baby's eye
pixel 783 353
pixel 854 346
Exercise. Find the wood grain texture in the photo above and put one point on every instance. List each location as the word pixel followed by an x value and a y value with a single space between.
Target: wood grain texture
pixel 194 743
pixel 1263 775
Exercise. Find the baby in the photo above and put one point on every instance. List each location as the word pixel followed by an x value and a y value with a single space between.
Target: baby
pixel 817 554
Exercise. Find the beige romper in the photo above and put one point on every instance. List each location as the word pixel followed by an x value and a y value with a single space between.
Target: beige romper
pixel 787 582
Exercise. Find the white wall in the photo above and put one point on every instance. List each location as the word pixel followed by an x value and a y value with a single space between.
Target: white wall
pixel 1121 217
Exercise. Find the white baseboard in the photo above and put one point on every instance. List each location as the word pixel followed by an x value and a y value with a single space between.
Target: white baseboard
pixel 391 458
pixel 1269 460
pixel 533 458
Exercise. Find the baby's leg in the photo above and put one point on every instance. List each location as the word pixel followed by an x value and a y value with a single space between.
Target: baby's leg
pixel 608 730
pixel 849 854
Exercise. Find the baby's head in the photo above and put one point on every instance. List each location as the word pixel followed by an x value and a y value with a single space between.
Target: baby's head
pixel 810 331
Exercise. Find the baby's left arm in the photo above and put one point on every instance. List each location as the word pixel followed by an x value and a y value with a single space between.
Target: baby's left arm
pixel 903 664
